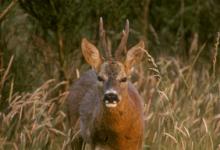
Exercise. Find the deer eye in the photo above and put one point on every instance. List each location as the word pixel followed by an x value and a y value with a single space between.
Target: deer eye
pixel 123 79
pixel 100 79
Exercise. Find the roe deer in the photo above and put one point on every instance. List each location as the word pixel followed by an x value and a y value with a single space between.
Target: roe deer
pixel 102 103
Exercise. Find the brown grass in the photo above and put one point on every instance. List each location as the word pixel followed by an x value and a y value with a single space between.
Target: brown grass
pixel 181 113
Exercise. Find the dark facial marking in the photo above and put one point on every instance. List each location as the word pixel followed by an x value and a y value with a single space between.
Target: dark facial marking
pixel 100 79
pixel 113 70
pixel 123 79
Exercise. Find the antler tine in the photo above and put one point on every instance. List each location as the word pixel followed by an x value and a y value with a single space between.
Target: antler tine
pixel 123 42
pixel 103 40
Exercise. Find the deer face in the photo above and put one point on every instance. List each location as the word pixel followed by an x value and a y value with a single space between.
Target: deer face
pixel 112 79
pixel 112 75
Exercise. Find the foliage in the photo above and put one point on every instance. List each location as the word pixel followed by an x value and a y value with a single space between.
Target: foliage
pixel 40 55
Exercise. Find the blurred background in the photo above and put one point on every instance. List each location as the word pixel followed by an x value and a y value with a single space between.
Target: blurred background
pixel 40 57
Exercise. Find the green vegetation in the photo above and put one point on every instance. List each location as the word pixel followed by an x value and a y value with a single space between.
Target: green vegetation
pixel 40 56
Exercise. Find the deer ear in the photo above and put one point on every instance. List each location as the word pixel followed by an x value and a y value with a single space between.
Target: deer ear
pixel 91 54
pixel 134 56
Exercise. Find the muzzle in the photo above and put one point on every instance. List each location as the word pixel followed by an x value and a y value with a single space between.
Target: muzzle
pixel 111 98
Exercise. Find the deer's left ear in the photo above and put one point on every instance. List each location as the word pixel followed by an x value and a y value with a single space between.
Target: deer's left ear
pixel 134 56
pixel 91 54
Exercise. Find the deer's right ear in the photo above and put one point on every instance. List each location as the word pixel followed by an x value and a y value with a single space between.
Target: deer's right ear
pixel 91 54
pixel 134 56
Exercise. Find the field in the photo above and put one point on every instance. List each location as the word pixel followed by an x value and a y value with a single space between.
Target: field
pixel 178 79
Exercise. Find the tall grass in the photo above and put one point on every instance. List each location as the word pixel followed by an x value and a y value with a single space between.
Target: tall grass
pixel 185 117
pixel 35 120
pixel 181 113
pixel 182 100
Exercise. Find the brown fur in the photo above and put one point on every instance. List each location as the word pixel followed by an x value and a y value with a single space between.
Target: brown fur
pixel 106 128
pixel 117 129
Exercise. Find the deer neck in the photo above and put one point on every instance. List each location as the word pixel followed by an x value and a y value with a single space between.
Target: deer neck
pixel 114 118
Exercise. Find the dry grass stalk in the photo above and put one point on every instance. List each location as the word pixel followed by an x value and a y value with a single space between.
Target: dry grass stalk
pixel 154 69
pixel 6 72
pixel 7 9
pixel 215 54
pixel 194 45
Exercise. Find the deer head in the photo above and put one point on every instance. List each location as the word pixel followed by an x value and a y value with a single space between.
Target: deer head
pixel 112 73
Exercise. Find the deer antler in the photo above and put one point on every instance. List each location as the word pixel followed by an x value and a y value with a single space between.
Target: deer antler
pixel 103 40
pixel 123 42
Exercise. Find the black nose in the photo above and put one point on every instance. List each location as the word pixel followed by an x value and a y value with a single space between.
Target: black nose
pixel 111 97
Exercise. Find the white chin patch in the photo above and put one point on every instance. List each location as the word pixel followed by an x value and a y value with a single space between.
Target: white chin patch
pixel 110 105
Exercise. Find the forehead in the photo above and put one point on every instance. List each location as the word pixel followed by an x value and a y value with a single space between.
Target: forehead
pixel 112 68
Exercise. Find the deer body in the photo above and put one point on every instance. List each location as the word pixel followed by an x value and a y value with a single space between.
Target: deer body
pixel 120 128
pixel 104 105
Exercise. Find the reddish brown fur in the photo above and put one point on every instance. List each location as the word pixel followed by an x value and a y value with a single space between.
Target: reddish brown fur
pixel 103 127
pixel 123 127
